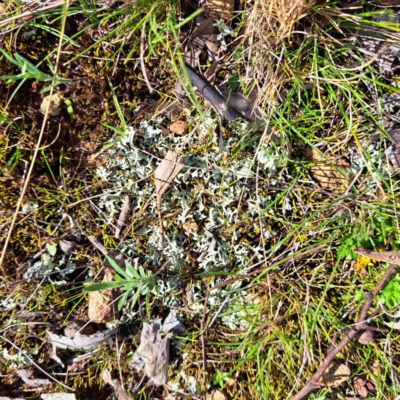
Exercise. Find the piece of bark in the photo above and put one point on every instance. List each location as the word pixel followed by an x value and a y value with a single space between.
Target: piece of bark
pixel 58 396
pixel 80 342
pixel 152 356
pixel 115 383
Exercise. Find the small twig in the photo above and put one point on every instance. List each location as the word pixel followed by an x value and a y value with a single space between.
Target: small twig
pixel 161 223
pixel 123 216
pixel 360 326
pixel 143 67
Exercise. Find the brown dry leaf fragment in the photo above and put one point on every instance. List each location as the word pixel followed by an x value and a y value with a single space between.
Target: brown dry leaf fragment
pixel 215 395
pixel 212 46
pixel 331 173
pixel 370 386
pixel 25 375
pixel 218 9
pixel 365 337
pixel 76 364
pixel 392 257
pixel 359 386
pixel 80 326
pixel 103 305
pixel 335 375
pixel 178 128
pixel 166 172
pixel 67 246
pixel 190 226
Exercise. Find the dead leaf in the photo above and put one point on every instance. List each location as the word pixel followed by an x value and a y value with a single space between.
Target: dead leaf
pixel 215 395
pixel 76 364
pixel 25 375
pixel 370 386
pixel 178 128
pixel 103 305
pixel 67 246
pixel 365 337
pixel 166 172
pixel 335 375
pixel 212 46
pixel 218 9
pixel 360 388
pixel 392 257
pixel 190 226
pixel 55 102
pixel 331 173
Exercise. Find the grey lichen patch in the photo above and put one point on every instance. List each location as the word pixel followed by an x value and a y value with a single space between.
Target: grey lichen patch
pixel 211 210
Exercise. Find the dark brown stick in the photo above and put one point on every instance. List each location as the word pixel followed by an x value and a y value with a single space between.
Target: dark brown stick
pixel 360 326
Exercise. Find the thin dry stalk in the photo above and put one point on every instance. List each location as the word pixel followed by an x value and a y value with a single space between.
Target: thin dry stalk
pixel 39 141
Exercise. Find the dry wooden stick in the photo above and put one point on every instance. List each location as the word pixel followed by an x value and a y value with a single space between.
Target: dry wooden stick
pixel 360 326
